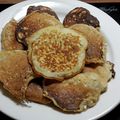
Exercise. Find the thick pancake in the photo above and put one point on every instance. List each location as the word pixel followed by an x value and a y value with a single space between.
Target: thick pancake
pixel 105 71
pixel 33 22
pixel 42 9
pixel 76 94
pixel 8 39
pixel 34 92
pixel 15 72
pixel 57 52
pixel 80 15
pixel 96 51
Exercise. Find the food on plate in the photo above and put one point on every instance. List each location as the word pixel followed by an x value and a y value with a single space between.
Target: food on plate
pixel 33 22
pixel 75 94
pixel 57 52
pixel 105 71
pixel 34 92
pixel 8 39
pixel 96 51
pixel 80 15
pixel 61 64
pixel 15 72
pixel 82 91
pixel 42 9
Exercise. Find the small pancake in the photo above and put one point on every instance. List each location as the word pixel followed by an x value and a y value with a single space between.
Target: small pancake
pixel 15 72
pixel 76 94
pixel 80 15
pixel 42 9
pixel 33 22
pixel 57 52
pixel 96 51
pixel 8 39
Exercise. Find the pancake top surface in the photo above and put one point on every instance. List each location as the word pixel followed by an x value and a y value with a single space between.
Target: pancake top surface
pixel 58 52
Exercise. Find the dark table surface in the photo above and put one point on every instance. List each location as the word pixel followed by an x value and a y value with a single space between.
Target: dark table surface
pixel 114 11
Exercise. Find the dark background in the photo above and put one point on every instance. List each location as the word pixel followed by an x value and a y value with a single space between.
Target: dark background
pixel 113 9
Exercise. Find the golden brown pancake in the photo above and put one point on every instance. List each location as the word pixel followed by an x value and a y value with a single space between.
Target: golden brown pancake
pixel 80 15
pixel 57 52
pixel 76 94
pixel 15 72
pixel 8 39
pixel 42 9
pixel 96 51
pixel 33 22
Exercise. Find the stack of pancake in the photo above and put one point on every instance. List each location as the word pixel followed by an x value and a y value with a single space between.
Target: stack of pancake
pixel 49 62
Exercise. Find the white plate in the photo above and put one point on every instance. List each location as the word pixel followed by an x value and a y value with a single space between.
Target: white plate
pixel 107 101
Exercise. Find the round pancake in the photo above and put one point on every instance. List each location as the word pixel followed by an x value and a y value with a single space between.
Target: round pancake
pixel 57 52
pixel 96 51
pixel 33 22
pixel 80 15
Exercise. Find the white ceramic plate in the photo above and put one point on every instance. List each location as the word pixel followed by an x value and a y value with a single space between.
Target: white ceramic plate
pixel 107 101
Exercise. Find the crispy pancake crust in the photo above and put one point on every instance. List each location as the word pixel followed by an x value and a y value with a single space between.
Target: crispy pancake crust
pixel 57 52
pixel 33 22
pixel 96 51
pixel 80 15
pixel 15 72
pixel 42 9
pixel 8 38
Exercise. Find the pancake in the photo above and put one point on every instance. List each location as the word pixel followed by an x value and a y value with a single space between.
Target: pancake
pixel 96 51
pixel 15 72
pixel 80 15
pixel 8 39
pixel 56 52
pixel 42 9
pixel 33 22
pixel 76 94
